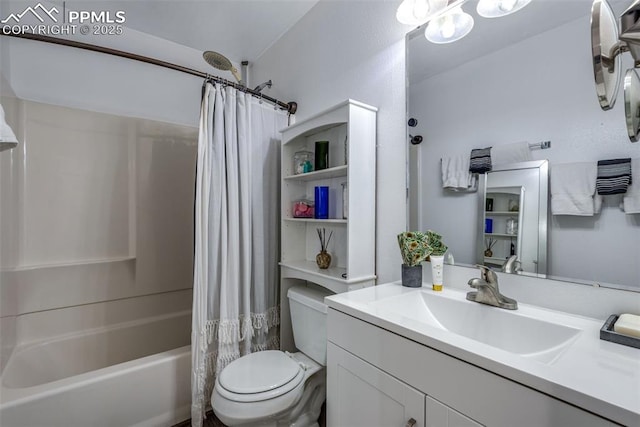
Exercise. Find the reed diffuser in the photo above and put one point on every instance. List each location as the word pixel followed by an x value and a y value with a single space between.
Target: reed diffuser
pixel 489 243
pixel 323 259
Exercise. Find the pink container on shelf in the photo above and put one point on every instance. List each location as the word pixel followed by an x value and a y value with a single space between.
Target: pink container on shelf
pixel 303 208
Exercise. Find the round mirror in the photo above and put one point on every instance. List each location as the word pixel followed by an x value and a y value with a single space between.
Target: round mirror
pixel 632 103
pixel 604 46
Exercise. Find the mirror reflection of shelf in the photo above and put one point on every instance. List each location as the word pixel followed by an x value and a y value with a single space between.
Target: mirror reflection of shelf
pixel 500 235
pixel 501 213
pixel 494 260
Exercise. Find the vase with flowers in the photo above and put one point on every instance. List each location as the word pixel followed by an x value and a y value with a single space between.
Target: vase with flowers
pixel 414 248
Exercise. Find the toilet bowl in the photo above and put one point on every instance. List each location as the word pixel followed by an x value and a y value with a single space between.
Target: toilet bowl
pixel 276 388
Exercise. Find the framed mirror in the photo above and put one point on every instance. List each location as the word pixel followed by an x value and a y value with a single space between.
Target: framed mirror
pixel 524 77
pixel 512 209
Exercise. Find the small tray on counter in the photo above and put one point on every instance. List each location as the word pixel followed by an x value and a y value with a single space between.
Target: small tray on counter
pixel 608 334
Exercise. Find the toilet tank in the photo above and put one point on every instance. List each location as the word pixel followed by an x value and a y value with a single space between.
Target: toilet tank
pixel 309 320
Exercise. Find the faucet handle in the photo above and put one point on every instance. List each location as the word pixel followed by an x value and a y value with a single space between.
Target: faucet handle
pixel 487 274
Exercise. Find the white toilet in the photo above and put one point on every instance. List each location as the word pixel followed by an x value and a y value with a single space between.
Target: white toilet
pixel 275 388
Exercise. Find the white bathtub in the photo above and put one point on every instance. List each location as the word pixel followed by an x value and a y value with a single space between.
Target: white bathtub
pixel 134 373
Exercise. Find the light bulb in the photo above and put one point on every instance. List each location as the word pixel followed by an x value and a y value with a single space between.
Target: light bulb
pixel 420 9
pixel 507 5
pixel 447 27
pixel 413 12
pixel 498 8
pixel 450 27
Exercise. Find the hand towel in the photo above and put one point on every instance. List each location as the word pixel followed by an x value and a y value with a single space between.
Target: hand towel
pixel 631 201
pixel 480 160
pixel 510 153
pixel 455 173
pixel 614 176
pixel 573 187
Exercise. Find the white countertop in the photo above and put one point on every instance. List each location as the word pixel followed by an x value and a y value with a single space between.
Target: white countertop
pixel 596 375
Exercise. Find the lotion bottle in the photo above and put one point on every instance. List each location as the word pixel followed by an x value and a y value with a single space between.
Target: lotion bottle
pixel 437 271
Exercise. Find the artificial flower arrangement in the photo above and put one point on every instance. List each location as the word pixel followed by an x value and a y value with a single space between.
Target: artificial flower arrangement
pixel 416 247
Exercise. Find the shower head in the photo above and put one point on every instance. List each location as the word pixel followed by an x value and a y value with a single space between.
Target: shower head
pixel 221 62
pixel 261 86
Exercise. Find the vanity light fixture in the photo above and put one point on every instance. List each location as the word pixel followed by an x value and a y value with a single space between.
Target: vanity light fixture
pixel 608 43
pixel 413 12
pixel 498 8
pixel 449 27
pixel 447 21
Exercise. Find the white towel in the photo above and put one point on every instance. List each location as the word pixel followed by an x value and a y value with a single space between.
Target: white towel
pixel 631 201
pixel 573 189
pixel 455 173
pixel 510 153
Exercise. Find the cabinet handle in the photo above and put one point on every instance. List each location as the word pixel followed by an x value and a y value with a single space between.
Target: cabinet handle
pixel 411 422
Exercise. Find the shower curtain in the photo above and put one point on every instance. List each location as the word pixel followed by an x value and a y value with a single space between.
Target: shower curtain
pixel 235 289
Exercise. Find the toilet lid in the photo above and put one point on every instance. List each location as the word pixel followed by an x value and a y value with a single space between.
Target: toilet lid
pixel 260 372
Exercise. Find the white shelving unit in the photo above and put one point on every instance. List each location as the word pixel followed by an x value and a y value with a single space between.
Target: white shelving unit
pixel 350 128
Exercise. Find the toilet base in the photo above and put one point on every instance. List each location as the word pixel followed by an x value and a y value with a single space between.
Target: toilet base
pixel 304 412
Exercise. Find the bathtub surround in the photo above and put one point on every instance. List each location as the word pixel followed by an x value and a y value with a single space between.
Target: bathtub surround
pixel 235 302
pixel 101 208
pixel 96 218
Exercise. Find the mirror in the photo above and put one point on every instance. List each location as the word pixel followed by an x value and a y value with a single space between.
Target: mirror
pixel 632 103
pixel 606 61
pixel 512 207
pixel 524 77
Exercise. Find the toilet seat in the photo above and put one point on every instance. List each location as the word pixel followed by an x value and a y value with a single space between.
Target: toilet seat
pixel 260 376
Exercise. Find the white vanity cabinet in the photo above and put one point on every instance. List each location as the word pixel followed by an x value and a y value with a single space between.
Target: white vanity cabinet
pixel 440 415
pixel 365 396
pixel 378 378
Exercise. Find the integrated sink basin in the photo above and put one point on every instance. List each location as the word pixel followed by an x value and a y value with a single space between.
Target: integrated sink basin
pixel 513 331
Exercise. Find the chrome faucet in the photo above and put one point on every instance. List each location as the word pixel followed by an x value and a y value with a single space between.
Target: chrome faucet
pixel 512 265
pixel 488 291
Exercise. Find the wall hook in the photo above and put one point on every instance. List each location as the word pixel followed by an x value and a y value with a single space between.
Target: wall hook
pixel 415 140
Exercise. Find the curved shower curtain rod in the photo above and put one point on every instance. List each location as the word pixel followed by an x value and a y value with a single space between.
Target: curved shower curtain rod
pixel 291 107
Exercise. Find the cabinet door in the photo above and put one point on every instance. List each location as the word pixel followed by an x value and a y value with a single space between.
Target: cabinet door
pixel 440 415
pixel 359 394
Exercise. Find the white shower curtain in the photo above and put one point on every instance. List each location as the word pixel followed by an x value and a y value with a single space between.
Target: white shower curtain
pixel 235 289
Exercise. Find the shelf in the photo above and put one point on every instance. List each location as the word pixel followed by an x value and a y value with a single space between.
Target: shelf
pixel 501 213
pixel 318 221
pixel 334 172
pixel 310 267
pixel 331 278
pixel 500 235
pixel 73 264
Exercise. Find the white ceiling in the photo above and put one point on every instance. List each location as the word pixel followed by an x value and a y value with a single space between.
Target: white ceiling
pixel 426 59
pixel 239 29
